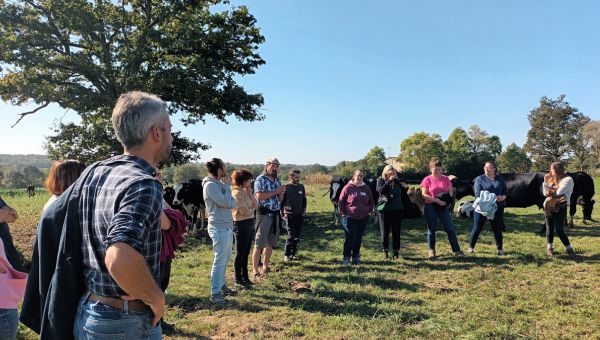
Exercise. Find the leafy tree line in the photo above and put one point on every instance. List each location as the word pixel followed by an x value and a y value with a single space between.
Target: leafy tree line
pixel 558 132
pixel 184 172
pixel 20 176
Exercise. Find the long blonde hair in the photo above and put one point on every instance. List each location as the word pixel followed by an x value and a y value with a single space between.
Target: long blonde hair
pixel 385 170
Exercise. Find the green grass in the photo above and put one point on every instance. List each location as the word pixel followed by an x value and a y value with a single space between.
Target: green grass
pixel 521 295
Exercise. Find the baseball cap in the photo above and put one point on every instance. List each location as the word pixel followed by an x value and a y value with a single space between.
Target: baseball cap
pixel 272 160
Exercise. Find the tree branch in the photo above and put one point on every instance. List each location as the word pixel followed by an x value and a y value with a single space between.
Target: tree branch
pixel 29 113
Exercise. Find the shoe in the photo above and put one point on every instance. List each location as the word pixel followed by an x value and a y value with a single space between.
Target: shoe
pixel 500 252
pixel 228 291
pixel 459 253
pixel 570 251
pixel 386 256
pixel 241 286
pixel 287 258
pixel 256 275
pixel 549 251
pixel 471 250
pixel 247 282
pixel 346 261
pixel 218 299
pixel 432 254
pixel 356 260
pixel 396 255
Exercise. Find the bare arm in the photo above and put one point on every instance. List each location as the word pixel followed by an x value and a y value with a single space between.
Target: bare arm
pixel 429 199
pixel 130 270
pixel 262 196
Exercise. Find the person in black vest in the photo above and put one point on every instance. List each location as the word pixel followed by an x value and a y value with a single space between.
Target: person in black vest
pixel 293 209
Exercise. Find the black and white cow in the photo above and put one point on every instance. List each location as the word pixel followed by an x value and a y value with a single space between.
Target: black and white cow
pixel 335 189
pixel 189 195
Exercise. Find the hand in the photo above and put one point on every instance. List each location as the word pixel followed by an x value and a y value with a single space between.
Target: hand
pixel 165 222
pixel 8 215
pixel 440 202
pixel 280 190
pixel 404 185
pixel 226 179
pixel 3 268
pixel 547 177
pixel 500 198
pixel 158 309
pixel 248 191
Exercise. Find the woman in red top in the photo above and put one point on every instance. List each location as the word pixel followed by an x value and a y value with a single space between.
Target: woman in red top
pixel 356 203
pixel 436 189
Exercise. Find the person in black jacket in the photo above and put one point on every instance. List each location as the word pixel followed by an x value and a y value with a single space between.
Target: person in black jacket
pixel 390 208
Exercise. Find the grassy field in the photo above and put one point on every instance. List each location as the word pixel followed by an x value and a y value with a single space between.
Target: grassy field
pixel 522 295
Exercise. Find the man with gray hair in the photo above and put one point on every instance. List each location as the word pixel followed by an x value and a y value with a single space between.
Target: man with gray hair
pixel 120 207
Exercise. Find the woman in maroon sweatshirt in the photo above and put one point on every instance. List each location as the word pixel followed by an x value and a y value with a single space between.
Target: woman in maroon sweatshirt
pixel 356 203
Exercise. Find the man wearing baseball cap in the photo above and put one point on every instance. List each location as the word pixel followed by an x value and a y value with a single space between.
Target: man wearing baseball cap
pixel 269 193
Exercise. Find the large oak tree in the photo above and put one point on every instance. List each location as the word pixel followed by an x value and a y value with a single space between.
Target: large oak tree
pixel 83 54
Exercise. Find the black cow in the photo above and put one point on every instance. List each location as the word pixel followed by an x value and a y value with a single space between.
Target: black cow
pixel 169 195
pixel 31 190
pixel 584 188
pixel 189 195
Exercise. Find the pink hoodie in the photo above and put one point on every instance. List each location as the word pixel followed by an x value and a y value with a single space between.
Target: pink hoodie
pixel 12 283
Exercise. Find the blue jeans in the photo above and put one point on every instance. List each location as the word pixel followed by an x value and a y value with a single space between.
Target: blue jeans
pixel 9 324
pixel 354 230
pixel 432 215
pixel 95 320
pixel 497 225
pixel 222 239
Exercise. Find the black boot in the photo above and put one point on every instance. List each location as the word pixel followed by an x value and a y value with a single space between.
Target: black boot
pixel 385 254
pixel 396 255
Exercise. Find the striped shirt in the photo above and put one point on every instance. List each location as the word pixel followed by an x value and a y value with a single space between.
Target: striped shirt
pixel 121 201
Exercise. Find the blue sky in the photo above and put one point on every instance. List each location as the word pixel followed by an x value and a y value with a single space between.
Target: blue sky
pixel 344 76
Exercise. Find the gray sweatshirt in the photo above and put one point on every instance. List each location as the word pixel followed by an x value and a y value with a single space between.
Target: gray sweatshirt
pixel 219 202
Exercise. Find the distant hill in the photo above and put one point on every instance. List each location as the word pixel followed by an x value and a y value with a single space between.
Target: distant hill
pixel 39 161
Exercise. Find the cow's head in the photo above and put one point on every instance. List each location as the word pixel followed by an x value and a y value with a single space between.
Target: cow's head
pixel 178 196
pixel 335 188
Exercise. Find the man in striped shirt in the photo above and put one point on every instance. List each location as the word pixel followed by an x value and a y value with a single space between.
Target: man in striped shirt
pixel 120 206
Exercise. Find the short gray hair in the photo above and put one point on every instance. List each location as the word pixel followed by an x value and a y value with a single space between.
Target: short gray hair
pixel 134 114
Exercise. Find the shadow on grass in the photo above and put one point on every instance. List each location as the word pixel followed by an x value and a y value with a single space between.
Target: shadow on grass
pixel 352 278
pixel 179 332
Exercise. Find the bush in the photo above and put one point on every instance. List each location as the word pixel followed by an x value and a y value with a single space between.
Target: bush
pixel 318 178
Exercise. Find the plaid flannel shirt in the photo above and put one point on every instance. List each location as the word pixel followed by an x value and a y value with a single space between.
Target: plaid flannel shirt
pixel 120 201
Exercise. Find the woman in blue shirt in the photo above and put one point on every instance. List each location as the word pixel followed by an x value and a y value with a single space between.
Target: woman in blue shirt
pixel 492 182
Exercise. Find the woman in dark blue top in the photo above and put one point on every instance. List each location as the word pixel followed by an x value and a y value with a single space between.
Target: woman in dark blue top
pixel 494 183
